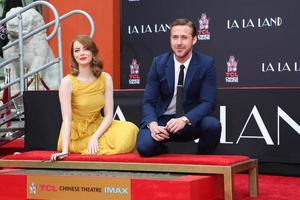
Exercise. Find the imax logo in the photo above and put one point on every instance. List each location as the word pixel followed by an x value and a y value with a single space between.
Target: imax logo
pixel 115 190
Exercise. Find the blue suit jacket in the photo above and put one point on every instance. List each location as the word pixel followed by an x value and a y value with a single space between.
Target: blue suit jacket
pixel 199 92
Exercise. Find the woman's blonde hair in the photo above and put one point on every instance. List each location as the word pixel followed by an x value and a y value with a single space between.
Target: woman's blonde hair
pixel 96 63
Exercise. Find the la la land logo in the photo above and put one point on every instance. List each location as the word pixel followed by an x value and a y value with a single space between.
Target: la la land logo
pixel 280 67
pixel 232 76
pixel 147 29
pixel 134 77
pixel 254 23
pixel 203 32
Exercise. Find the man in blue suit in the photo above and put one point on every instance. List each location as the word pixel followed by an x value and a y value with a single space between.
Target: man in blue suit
pixel 191 76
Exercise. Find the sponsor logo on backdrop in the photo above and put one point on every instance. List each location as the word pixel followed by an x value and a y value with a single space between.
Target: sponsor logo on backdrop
pixel 203 32
pixel 231 75
pixel 148 28
pixel 254 23
pixel 280 67
pixel 134 76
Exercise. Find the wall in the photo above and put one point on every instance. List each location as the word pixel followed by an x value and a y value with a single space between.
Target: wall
pixel 107 30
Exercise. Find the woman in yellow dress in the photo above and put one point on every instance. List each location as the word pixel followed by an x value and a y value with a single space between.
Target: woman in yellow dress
pixel 83 94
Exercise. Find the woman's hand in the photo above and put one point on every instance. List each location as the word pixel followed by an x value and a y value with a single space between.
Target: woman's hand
pixel 93 146
pixel 58 156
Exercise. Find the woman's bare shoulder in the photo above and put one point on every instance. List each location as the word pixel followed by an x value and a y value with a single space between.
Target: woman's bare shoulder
pixel 108 79
pixel 106 75
pixel 66 81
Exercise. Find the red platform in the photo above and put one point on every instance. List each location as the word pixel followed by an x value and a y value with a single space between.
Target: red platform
pixel 219 160
pixel 41 186
pixel 225 165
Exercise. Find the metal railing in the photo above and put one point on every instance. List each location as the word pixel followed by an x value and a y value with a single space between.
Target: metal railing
pixel 20 41
pixel 17 108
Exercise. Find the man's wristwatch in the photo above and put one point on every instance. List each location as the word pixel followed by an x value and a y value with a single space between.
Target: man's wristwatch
pixel 186 120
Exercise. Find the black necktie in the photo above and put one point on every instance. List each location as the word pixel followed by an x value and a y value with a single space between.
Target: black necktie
pixel 179 95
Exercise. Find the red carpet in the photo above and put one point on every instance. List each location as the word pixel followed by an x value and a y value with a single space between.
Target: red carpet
pixel 270 187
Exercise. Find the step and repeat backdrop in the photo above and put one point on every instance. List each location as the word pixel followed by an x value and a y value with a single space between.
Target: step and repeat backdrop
pixel 255 45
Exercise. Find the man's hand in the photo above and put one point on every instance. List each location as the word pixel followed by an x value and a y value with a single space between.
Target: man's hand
pixel 158 133
pixel 174 125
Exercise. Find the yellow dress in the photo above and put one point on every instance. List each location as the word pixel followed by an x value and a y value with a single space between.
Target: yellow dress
pixel 87 100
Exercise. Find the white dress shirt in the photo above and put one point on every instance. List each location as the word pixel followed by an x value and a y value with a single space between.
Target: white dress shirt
pixel 171 110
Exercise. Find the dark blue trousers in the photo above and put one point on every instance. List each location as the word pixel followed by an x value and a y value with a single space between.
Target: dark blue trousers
pixel 208 131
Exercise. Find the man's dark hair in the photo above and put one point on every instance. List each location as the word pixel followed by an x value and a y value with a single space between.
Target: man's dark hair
pixel 184 21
